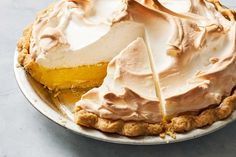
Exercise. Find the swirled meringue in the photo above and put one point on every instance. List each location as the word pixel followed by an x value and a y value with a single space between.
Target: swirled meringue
pixel 70 32
pixel 191 81
pixel 193 54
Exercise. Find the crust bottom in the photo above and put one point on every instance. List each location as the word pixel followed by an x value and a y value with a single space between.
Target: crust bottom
pixel 186 123
pixel 121 127
pixel 178 124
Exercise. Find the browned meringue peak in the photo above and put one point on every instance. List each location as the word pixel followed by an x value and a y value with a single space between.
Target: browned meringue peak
pixel 69 30
pixel 178 6
pixel 128 91
pixel 190 52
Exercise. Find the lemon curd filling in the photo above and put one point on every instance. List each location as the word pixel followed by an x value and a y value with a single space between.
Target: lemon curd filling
pixel 63 78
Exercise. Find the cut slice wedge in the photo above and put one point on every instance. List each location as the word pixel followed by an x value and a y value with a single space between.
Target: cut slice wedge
pixel 126 102
pixel 155 76
pixel 128 91
pixel 158 29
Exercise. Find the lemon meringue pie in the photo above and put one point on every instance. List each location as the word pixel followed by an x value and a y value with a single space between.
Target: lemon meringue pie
pixel 152 66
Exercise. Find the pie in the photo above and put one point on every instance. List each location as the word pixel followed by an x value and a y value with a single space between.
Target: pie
pixel 151 67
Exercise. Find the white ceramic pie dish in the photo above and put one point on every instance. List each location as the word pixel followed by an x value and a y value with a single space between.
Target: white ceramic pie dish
pixel 61 115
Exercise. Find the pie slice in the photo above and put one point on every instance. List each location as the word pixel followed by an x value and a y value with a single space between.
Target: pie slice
pixel 127 94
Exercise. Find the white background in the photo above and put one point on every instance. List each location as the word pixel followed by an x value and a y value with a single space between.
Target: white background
pixel 24 132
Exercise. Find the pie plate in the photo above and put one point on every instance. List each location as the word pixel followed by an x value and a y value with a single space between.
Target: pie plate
pixel 62 114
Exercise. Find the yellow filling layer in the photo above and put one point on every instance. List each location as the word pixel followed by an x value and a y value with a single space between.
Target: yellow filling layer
pixel 80 77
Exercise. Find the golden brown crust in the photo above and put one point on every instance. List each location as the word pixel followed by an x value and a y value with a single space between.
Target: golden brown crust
pixel 23 45
pixel 178 124
pixel 207 117
pixel 129 128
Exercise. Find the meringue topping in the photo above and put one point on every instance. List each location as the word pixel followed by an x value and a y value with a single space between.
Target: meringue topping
pixel 182 47
pixel 178 6
pixel 190 59
pixel 192 53
pixel 128 91
pixel 71 32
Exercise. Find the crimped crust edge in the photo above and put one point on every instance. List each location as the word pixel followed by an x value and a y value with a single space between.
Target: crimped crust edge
pixel 179 124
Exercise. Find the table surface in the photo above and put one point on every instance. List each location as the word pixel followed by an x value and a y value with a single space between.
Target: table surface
pixel 24 132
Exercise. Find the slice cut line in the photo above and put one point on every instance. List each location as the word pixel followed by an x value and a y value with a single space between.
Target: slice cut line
pixel 155 77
